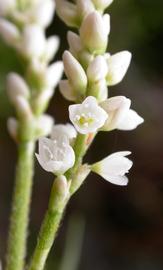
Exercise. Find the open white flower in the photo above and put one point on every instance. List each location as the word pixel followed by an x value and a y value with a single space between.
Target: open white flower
pixel 120 116
pixel 117 67
pixel 87 117
pixel 114 167
pixel 55 156
pixel 66 130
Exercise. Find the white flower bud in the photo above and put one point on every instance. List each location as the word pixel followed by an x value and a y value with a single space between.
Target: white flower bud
pixel 114 167
pixel 64 130
pixel 67 12
pixel 74 43
pixel 116 108
pixel 93 33
pixel 66 90
pixel 43 12
pixel 6 6
pixel 44 125
pixel 23 108
pixel 60 190
pixel 75 73
pixel 99 90
pixel 120 116
pixel 9 32
pixel 52 45
pixel 106 20
pixel 130 121
pixel 102 4
pixel 117 67
pixel 55 155
pixel 53 74
pixel 33 41
pixel 12 126
pixel 97 69
pixel 84 8
pixel 16 86
pixel 87 117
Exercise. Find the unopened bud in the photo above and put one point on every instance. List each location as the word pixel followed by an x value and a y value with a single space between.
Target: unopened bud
pixel 43 13
pixel 93 33
pixel 99 90
pixel 23 108
pixel 75 73
pixel 59 193
pixel 16 86
pixel 74 43
pixel 67 12
pixel 44 125
pixel 97 70
pixel 53 74
pixel 84 8
pixel 9 32
pixel 51 47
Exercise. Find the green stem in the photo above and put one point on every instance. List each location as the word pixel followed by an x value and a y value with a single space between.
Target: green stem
pixel 49 228
pixel 20 207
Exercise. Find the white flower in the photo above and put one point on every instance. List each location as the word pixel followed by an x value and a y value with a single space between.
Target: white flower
pixel 120 116
pixel 66 130
pixel 44 125
pixel 93 33
pixel 117 67
pixel 87 117
pixel 114 167
pixel 55 155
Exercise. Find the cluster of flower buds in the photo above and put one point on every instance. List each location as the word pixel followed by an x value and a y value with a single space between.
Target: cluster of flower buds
pixel 22 27
pixel 90 70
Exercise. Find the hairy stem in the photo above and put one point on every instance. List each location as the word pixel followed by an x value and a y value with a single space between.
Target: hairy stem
pixel 20 207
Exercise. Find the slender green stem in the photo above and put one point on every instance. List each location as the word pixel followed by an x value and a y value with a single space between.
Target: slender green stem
pixel 49 228
pixel 20 207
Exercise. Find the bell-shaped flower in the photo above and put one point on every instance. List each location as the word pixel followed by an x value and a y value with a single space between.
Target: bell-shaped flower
pixel 88 116
pixel 94 33
pixel 55 156
pixel 66 130
pixel 120 116
pixel 114 167
pixel 117 67
pixel 102 4
pixel 75 73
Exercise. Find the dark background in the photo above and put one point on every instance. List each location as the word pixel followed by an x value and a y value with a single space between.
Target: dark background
pixel 121 228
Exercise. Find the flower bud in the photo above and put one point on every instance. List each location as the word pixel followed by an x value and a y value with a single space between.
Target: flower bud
pixel 59 193
pixel 93 33
pixel 117 67
pixel 67 12
pixel 6 6
pixel 51 47
pixel 102 4
pixel 23 108
pixel 9 32
pixel 99 90
pixel 66 90
pixel 43 12
pixel 84 8
pixel 97 69
pixel 16 86
pixel 74 43
pixel 12 126
pixel 53 74
pixel 75 73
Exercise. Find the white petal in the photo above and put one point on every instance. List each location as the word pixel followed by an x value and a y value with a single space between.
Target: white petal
pixel 116 108
pixel 117 67
pixel 44 125
pixel 97 69
pixel 117 180
pixel 130 121
pixel 68 130
pixel 54 74
pixel 44 11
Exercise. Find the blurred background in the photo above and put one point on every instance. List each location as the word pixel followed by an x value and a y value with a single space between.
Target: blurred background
pixel 107 227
